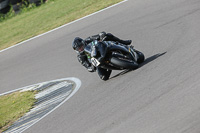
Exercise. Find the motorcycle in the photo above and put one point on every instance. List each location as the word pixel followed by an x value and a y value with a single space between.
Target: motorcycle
pixel 113 55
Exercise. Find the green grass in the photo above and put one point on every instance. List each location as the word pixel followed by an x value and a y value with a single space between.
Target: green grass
pixel 46 17
pixel 13 106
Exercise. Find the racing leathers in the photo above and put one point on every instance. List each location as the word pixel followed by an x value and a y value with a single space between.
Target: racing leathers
pixel 104 74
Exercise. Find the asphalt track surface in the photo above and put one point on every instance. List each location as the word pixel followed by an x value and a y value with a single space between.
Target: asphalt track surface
pixel 162 96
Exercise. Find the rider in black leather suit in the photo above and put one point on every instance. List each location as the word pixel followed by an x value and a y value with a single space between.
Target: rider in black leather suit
pixel 79 45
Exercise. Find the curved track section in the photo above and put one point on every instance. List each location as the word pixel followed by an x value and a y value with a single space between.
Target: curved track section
pixel 161 96
pixel 50 96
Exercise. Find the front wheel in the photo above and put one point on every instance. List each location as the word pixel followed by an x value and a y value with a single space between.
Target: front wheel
pixel 104 74
pixel 123 63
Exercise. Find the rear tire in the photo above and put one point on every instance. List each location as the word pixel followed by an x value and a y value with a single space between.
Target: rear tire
pixel 141 57
pixel 124 64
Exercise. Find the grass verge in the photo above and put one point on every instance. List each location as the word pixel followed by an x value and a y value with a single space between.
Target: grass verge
pixel 46 17
pixel 13 106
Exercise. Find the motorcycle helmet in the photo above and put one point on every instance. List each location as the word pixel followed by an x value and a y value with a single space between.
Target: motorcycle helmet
pixel 78 44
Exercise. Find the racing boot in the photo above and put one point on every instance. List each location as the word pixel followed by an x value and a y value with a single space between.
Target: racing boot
pixel 116 39
pixel 125 42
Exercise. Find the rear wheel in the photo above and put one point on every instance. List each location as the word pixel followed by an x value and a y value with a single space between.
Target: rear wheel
pixel 141 57
pixel 123 63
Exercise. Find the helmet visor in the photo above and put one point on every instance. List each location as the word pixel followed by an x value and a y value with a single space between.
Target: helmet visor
pixel 80 49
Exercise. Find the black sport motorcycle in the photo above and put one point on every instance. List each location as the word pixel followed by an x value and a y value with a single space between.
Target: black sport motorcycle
pixel 113 55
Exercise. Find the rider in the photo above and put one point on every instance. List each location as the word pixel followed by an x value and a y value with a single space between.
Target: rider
pixel 79 45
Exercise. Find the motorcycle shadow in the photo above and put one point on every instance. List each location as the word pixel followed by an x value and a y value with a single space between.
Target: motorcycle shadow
pixel 146 61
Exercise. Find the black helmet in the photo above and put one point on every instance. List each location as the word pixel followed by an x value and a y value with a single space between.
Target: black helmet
pixel 78 44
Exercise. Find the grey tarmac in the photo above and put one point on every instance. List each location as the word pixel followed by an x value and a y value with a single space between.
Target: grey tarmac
pixel 162 96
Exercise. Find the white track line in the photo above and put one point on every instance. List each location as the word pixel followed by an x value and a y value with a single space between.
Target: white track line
pixel 78 85
pixel 63 26
pixel 77 81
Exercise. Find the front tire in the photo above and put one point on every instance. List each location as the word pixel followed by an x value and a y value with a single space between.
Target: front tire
pixel 104 74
